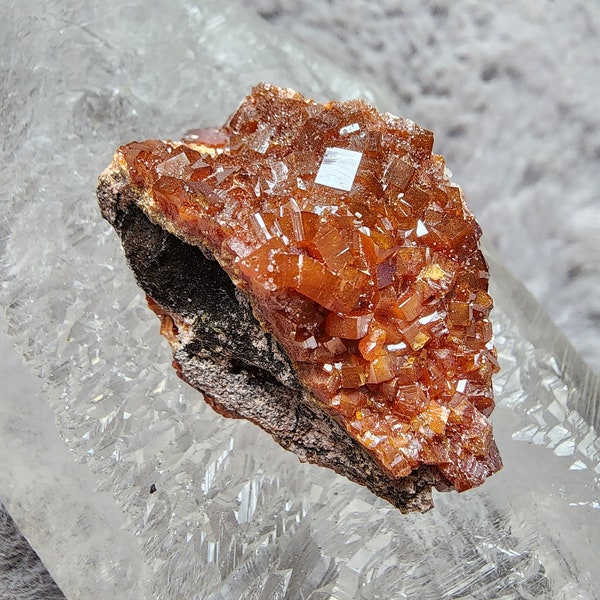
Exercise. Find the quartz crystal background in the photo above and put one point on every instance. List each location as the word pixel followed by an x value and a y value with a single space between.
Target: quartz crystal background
pixel 510 94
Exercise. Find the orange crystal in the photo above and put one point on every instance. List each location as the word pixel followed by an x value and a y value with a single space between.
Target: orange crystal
pixel 361 258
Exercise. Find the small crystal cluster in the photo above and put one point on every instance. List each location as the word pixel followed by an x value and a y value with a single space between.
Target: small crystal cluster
pixel 361 258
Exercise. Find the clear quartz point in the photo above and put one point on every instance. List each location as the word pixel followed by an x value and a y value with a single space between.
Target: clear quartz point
pixel 233 515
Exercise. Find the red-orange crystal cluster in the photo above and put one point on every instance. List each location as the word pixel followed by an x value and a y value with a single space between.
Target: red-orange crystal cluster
pixel 361 258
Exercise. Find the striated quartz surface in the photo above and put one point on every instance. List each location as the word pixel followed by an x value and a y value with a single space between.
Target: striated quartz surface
pixel 361 258
pixel 234 516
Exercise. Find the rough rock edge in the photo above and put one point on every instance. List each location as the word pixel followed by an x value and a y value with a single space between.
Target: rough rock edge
pixel 220 349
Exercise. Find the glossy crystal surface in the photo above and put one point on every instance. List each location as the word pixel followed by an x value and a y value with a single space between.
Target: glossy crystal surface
pixel 234 516
pixel 361 257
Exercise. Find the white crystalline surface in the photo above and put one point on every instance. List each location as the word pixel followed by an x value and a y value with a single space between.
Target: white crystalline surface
pixel 233 515
pixel 338 168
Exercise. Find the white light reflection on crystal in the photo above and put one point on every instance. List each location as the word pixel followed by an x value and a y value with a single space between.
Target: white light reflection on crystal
pixel 173 167
pixel 421 229
pixel 338 168
pixel 396 347
pixel 261 227
pixel 349 128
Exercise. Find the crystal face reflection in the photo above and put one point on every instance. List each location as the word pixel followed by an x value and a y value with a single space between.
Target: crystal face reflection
pixel 339 166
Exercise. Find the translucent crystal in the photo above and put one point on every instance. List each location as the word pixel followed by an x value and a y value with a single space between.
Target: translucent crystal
pixel 234 516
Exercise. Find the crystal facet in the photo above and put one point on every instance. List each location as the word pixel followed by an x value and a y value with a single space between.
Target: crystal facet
pixel 339 166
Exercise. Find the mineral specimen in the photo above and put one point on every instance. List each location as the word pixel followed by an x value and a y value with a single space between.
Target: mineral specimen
pixel 360 258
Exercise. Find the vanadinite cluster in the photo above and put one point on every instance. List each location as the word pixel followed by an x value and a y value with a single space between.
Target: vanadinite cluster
pixel 361 258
